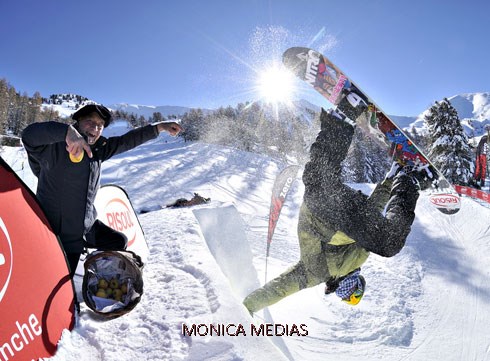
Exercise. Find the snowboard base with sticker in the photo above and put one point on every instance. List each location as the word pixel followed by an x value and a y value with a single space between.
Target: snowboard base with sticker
pixel 351 102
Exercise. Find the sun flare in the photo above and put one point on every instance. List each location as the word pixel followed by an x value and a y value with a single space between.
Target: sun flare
pixel 275 85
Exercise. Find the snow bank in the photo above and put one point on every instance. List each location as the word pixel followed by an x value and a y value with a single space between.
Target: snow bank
pixel 429 302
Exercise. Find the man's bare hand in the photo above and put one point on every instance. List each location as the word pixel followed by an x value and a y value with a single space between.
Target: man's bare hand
pixel 170 127
pixel 75 144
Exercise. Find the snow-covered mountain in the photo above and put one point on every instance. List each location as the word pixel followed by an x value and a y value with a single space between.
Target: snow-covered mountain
pixel 473 111
pixel 67 104
pixel 148 110
pixel 472 106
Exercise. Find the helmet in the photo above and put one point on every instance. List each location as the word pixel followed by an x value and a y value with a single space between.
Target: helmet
pixel 351 288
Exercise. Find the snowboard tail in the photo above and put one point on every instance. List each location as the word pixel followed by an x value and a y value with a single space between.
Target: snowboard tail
pixel 350 101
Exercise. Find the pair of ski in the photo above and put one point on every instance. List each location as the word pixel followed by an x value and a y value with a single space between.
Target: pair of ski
pixel 333 84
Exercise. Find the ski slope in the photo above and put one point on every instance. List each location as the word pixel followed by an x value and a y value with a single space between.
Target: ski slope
pixel 429 302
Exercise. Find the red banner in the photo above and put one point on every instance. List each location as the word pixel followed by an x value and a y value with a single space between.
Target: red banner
pixel 473 192
pixel 36 292
pixel 281 187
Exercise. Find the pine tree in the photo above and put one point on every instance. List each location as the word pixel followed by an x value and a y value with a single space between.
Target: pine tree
pixel 3 105
pixel 192 122
pixel 158 117
pixel 21 113
pixel 133 120
pixel 34 113
pixel 142 121
pixel 448 144
pixel 244 127
pixel 366 161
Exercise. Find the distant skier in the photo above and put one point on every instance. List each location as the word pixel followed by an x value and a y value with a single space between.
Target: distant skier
pixel 481 162
pixel 338 227
pixel 68 181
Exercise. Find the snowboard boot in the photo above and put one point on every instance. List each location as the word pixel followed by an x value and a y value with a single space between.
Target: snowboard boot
pixel 404 196
pixel 418 172
pixel 422 176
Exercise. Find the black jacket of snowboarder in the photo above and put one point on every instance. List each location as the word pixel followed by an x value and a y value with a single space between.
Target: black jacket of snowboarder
pixel 67 190
pixel 338 226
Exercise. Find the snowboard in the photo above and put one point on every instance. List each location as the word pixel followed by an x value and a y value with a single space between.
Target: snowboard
pixel 350 101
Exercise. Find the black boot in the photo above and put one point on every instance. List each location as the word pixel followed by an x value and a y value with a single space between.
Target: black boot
pixel 404 196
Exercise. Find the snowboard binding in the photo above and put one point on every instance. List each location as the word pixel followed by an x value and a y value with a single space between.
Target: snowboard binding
pixel 352 105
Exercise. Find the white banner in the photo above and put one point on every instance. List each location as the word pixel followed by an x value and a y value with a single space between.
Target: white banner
pixel 115 210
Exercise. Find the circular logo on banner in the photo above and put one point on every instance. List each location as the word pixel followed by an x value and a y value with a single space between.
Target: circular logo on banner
pixel 5 259
pixel 120 218
pixel 446 203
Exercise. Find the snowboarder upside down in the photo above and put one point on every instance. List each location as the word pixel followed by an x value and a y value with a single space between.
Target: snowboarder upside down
pixel 338 226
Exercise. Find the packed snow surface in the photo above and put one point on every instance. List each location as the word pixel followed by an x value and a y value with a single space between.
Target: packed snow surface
pixel 429 302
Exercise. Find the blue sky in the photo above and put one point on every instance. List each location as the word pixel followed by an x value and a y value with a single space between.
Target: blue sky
pixel 405 54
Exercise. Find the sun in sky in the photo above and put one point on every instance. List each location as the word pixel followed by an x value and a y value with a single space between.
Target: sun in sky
pixel 275 84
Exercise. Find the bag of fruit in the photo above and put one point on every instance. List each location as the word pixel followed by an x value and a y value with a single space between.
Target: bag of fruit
pixel 113 282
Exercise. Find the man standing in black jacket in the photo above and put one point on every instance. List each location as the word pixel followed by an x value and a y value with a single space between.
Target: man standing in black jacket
pixel 67 159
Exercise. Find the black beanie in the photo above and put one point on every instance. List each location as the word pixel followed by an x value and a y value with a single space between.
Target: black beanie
pixel 104 113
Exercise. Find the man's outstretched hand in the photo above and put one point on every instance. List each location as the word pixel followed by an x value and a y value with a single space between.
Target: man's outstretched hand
pixel 171 128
